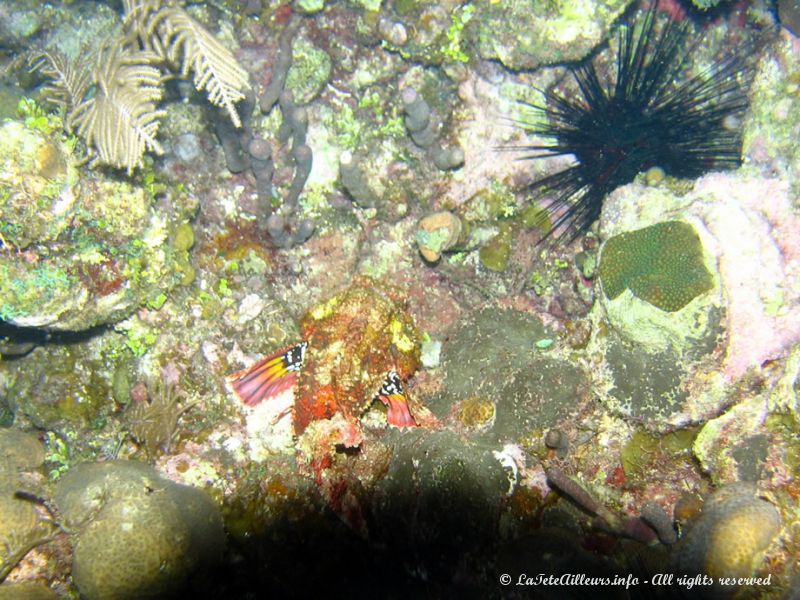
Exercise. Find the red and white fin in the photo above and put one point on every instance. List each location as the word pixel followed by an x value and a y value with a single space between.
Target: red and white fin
pixel 268 377
pixel 393 396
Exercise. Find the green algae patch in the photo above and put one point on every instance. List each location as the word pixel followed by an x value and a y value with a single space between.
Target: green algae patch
pixel 645 452
pixel 310 71
pixel 661 264
pixel 38 182
pixel 495 254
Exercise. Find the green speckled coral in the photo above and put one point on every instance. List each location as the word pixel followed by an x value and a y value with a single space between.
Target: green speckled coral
pixel 661 264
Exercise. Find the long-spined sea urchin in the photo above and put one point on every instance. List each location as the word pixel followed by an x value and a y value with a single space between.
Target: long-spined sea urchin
pixel 650 114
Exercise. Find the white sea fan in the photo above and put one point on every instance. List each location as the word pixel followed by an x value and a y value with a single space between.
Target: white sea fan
pixel 179 39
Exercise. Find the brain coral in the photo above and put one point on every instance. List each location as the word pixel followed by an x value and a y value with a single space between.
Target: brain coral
pixel 661 264
pixel 20 528
pixel 730 535
pixel 137 535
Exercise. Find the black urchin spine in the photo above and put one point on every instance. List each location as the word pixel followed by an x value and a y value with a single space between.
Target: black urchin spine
pixel 649 116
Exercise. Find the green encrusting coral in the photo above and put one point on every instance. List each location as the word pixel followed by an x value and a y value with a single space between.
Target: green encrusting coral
pixel 661 264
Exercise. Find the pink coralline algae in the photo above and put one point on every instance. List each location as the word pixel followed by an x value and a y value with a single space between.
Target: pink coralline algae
pixel 757 237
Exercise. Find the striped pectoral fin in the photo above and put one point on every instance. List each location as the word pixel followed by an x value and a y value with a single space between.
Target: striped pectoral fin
pixel 268 377
pixel 393 396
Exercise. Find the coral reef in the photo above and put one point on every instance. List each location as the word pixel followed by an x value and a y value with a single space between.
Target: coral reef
pixel 730 216
pixel 750 254
pixel 88 251
pixel 20 451
pixel 493 355
pixel 21 526
pixel 522 38
pixel 659 299
pixel 40 211
pixel 643 452
pixel 750 441
pixel 65 392
pixel 442 398
pixel 652 386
